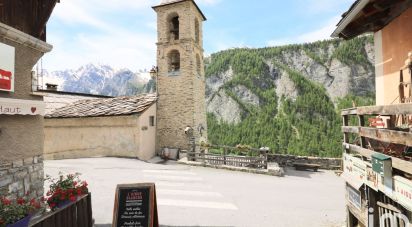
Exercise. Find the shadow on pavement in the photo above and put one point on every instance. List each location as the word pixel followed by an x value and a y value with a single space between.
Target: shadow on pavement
pixel 110 225
pixel 192 226
pixel 295 173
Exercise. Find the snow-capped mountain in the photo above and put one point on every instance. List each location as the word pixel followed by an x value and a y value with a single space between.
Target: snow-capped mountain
pixel 101 80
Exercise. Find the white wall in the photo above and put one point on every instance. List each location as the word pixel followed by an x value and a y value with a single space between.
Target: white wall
pixel 147 134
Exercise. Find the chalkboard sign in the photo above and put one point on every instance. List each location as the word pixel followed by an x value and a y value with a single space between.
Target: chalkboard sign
pixel 135 206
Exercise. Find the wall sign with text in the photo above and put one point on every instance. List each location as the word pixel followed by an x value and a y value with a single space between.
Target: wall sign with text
pixel 6 67
pixel 354 197
pixel 135 206
pixel 21 107
pixel 403 191
pixel 354 168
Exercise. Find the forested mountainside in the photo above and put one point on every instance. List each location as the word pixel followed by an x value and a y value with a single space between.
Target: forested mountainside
pixel 288 98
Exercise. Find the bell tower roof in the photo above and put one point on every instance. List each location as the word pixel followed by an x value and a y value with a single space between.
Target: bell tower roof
pixel 170 2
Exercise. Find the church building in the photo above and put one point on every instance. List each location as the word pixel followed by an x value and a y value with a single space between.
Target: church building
pixel 141 126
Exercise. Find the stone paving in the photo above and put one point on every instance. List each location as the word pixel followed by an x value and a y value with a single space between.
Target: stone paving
pixel 198 196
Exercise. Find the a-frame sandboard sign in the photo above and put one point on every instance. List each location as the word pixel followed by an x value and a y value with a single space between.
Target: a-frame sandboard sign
pixel 135 206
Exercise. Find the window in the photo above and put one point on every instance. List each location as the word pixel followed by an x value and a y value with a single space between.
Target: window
pixel 152 121
pixel 198 65
pixel 174 27
pixel 174 62
pixel 197 32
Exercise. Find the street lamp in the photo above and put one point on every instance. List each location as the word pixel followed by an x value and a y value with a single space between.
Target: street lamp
pixel 153 74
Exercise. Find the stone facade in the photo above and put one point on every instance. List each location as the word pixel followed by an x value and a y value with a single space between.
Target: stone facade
pixel 21 137
pixel 181 93
pixel 22 176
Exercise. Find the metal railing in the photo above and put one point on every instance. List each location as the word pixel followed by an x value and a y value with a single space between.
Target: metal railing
pixel 226 157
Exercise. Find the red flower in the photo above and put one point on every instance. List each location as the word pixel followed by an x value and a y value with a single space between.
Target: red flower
pixel 74 184
pixel 85 184
pixel 52 205
pixel 72 198
pixel 5 201
pixel 21 201
pixel 35 204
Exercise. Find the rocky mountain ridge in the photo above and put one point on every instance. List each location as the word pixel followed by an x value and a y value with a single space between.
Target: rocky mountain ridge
pixel 100 79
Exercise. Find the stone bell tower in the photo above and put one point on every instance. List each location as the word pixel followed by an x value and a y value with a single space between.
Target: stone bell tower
pixel 181 76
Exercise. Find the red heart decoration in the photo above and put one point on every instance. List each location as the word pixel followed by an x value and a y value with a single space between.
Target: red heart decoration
pixel 33 109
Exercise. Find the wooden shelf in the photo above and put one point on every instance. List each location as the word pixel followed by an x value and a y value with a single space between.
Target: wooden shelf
pixel 397 163
pixel 351 111
pixel 386 135
pixel 403 108
pixel 350 129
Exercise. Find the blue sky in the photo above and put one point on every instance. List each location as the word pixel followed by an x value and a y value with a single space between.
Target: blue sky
pixel 122 33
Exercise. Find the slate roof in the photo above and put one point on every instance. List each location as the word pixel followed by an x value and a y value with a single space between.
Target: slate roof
pixel 105 107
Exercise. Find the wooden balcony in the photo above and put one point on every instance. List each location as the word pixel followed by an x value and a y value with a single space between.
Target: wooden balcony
pixel 392 137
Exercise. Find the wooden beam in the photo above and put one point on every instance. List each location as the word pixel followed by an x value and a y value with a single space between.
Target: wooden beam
pixel 345 121
pixel 389 207
pixel 404 108
pixel 47 10
pixel 378 18
pixel 397 163
pixel 361 119
pixel 385 135
pixel 360 215
pixel 362 151
pixel 351 111
pixel 350 129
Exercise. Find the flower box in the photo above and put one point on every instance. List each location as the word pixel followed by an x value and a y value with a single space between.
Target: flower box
pixel 22 222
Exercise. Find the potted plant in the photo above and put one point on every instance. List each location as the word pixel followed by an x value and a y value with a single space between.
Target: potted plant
pixel 65 190
pixel 17 213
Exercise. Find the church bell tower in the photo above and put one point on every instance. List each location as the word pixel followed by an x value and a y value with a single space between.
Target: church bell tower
pixel 181 106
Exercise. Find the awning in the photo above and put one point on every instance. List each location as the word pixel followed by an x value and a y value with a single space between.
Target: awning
pixel 21 107
pixel 355 183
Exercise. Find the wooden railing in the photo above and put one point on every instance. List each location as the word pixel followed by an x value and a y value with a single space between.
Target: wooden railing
pixel 260 161
pixel 390 139
pixel 77 214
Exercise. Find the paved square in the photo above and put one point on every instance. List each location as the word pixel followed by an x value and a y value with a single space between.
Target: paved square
pixel 197 196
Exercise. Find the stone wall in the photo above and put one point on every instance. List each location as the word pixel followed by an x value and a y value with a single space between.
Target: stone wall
pixel 22 176
pixel 288 160
pixel 181 101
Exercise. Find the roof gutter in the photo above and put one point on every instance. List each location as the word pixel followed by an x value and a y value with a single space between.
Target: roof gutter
pixel 22 38
pixel 349 18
